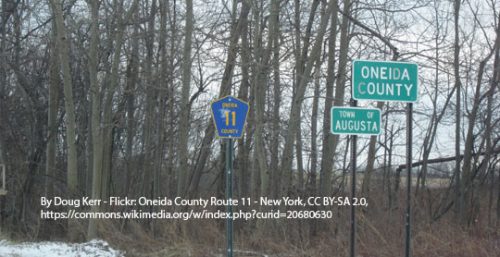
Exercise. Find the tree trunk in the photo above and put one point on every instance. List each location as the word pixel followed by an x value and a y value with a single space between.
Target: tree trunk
pixel 243 148
pixel 63 46
pixel 224 90
pixel 72 161
pixel 261 79
pixel 172 115
pixel 151 103
pixel 102 138
pixel 467 183
pixel 47 226
pixel 184 116
pixel 328 150
pixel 311 180
pixel 254 112
pixel 52 125
pixel 294 123
pixel 275 131
pixel 390 184
pixel 432 130
pixel 456 69
pixel 131 81
pixel 314 129
pixel 95 114
pixel 301 55
pixel 467 179
pixel 300 165
pixel 495 82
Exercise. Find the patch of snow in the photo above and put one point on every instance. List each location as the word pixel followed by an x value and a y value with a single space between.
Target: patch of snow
pixel 94 248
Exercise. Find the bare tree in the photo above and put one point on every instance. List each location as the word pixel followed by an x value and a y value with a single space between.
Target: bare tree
pixel 294 123
pixel 62 45
pixel 64 64
pixel 328 139
pixel 185 110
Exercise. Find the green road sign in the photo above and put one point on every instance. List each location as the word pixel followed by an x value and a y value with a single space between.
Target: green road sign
pixel 384 81
pixel 355 121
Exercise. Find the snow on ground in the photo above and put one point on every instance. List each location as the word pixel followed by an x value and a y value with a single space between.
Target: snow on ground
pixel 94 248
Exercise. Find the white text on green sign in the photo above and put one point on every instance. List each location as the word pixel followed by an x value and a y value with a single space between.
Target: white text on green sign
pixel 355 121
pixel 384 81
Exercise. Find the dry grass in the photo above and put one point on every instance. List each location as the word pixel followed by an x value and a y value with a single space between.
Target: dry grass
pixel 380 234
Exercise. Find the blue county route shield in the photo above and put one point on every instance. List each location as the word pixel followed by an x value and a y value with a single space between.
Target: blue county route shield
pixel 229 115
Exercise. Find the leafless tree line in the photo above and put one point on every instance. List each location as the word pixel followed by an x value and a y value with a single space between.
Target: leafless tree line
pixel 103 98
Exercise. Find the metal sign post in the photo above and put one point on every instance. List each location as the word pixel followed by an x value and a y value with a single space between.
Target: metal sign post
pixel 229 115
pixel 354 121
pixel 390 81
pixel 409 142
pixel 229 195
pixel 353 188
